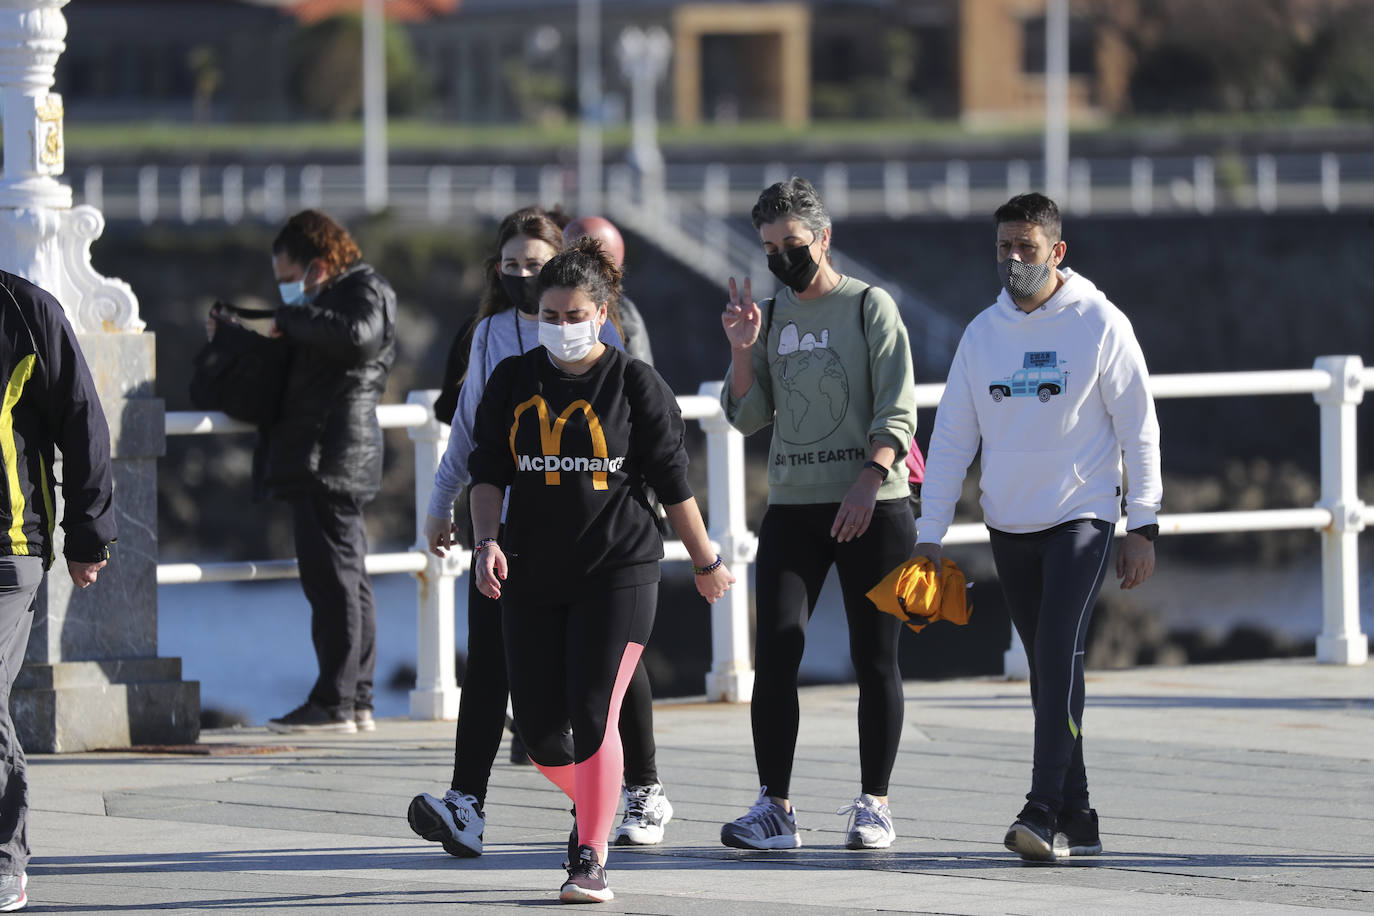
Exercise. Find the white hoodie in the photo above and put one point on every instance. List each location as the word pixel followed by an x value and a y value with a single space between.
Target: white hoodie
pixel 1055 397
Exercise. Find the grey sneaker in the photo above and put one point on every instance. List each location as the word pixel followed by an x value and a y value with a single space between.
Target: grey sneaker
pixel 765 825
pixel 362 718
pixel 12 892
pixel 455 822
pixel 647 812
pixel 870 824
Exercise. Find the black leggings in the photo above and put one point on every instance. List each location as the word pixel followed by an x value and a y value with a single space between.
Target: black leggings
pixel 796 552
pixel 482 706
pixel 1051 579
pixel 572 663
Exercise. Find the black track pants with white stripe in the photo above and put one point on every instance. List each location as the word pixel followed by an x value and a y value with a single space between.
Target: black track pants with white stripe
pixel 1051 579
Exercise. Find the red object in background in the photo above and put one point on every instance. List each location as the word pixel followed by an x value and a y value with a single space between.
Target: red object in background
pixel 308 11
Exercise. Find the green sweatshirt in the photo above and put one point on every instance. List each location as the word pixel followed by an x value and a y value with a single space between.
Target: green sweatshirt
pixel 832 379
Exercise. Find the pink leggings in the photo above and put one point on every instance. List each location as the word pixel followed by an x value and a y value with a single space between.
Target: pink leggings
pixel 572 663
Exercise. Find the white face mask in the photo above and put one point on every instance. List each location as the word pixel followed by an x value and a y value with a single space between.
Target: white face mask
pixel 569 342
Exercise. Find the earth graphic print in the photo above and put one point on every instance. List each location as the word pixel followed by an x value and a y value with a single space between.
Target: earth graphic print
pixel 812 389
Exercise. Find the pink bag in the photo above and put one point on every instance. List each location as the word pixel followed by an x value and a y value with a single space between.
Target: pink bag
pixel 915 464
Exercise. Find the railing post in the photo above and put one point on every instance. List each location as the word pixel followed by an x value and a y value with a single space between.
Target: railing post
pixel 732 668
pixel 436 686
pixel 1340 642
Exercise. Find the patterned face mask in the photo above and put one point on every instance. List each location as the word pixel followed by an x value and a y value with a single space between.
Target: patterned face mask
pixel 1022 280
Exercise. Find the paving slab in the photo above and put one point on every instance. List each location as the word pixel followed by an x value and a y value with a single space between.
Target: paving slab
pixel 1244 788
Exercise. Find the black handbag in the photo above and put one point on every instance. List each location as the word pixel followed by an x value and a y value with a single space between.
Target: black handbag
pixel 241 372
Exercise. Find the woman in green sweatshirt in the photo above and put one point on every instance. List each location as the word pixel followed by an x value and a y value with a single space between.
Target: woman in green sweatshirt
pixel 827 363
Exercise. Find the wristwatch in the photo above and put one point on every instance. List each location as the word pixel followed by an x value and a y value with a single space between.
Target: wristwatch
pixel 1148 532
pixel 883 472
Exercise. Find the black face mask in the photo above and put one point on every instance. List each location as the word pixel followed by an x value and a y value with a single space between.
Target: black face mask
pixel 523 291
pixel 794 267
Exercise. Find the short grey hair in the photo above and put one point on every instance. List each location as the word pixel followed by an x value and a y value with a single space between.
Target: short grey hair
pixel 795 197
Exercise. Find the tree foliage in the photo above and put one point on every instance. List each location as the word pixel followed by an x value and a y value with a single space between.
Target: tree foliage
pixel 1243 55
pixel 326 74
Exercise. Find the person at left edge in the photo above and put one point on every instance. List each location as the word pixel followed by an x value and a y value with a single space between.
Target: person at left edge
pixel 324 453
pixel 576 430
pixel 50 402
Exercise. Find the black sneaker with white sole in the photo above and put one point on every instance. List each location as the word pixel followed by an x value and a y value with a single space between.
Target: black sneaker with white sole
pixel 455 822
pixel 1032 835
pixel 1078 832
pixel 308 718
pixel 586 880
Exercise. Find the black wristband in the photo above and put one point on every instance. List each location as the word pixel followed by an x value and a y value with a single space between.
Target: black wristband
pixel 1148 532
pixel 880 468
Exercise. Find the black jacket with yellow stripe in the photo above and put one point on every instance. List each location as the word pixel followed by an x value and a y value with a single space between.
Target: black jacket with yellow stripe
pixel 49 402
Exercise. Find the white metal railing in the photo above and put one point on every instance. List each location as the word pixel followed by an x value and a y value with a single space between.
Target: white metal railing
pixel 438 193
pixel 1337 383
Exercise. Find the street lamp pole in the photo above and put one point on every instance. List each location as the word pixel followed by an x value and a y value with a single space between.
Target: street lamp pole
pixel 589 106
pixel 1057 99
pixel 374 106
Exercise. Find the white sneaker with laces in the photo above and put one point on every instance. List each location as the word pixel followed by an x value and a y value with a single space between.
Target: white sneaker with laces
pixel 870 824
pixel 453 821
pixel 766 825
pixel 647 812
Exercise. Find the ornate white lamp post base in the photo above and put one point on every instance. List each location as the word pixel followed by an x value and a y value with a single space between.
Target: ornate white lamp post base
pixel 91 676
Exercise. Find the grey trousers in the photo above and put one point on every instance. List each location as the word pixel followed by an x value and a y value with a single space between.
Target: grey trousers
pixel 19 580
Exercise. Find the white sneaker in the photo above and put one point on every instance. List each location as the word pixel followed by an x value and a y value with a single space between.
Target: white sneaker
pixel 13 894
pixel 870 824
pixel 766 825
pixel 647 812
pixel 454 821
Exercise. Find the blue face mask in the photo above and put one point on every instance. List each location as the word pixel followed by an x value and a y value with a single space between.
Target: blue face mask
pixel 293 293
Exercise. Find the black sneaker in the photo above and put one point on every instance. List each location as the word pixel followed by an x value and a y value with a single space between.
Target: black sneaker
pixel 586 880
pixel 1078 832
pixel 308 718
pixel 1032 835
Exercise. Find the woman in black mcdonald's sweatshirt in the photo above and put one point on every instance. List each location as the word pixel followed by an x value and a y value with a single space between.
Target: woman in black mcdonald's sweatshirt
pixel 577 430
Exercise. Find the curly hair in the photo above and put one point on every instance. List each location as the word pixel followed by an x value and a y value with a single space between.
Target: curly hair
pixel 584 265
pixel 311 235
pixel 795 197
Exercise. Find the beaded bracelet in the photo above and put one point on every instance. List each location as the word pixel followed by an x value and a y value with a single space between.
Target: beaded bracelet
pixel 710 568
pixel 482 544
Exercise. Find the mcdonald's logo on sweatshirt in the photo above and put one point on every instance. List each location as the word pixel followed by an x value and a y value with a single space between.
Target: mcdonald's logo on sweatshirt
pixel 552 461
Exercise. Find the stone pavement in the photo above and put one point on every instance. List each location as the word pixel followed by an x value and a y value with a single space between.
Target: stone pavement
pixel 1241 788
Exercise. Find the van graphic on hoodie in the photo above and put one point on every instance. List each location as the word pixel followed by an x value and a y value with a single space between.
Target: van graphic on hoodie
pixel 1039 377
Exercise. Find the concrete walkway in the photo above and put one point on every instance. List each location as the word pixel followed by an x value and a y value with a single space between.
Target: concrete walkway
pixel 1242 788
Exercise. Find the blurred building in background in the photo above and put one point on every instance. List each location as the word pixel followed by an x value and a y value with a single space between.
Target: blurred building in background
pixel 506 61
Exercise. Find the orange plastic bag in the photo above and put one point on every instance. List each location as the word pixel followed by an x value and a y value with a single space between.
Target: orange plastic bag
pixel 909 593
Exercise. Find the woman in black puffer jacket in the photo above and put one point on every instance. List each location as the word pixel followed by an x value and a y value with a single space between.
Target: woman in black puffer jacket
pixel 324 453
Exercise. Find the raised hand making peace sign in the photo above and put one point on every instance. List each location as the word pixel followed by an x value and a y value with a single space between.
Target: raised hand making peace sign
pixel 742 317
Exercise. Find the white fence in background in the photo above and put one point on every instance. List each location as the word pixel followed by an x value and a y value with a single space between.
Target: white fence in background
pixel 445 194
pixel 1337 383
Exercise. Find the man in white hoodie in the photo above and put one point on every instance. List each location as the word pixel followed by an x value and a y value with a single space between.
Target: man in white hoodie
pixel 1051 382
